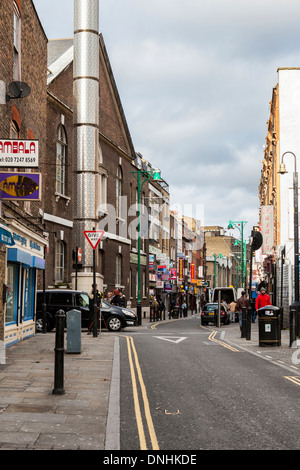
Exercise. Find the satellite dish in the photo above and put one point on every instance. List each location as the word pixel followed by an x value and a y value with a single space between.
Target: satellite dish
pixel 18 90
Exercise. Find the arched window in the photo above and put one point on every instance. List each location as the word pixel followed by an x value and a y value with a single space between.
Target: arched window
pixel 59 261
pixel 119 181
pixel 61 154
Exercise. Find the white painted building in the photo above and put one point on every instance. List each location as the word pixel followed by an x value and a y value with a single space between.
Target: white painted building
pixel 289 141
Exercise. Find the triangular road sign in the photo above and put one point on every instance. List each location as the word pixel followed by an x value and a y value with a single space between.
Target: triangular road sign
pixel 94 237
pixel 172 339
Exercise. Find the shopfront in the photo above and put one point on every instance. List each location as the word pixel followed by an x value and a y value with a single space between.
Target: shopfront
pixel 24 259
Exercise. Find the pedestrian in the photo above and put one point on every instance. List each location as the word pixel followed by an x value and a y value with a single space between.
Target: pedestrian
pixel 254 296
pixel 123 301
pixel 155 309
pixel 161 308
pixel 232 311
pixel 94 292
pixel 184 309
pixel 242 302
pixel 262 300
pixel 116 299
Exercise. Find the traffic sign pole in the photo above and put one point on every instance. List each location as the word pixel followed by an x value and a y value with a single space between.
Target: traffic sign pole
pixel 94 237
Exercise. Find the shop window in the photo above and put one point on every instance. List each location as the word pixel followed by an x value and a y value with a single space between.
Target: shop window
pixel 12 294
pixel 61 154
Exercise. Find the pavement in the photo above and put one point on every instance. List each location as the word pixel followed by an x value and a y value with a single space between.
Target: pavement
pixel 85 416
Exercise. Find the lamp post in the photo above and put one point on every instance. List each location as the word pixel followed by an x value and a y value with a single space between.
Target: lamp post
pixel 142 176
pixel 215 266
pixel 240 226
pixel 282 171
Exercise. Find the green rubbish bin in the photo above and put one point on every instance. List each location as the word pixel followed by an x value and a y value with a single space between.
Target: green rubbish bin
pixel 269 326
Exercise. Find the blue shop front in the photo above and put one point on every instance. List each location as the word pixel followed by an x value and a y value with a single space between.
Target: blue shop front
pixel 24 257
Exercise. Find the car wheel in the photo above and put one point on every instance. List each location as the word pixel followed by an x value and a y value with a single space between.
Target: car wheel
pixel 114 324
pixel 39 325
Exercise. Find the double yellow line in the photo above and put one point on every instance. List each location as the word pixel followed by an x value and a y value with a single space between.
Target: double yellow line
pixel 294 379
pixel 135 365
pixel 225 345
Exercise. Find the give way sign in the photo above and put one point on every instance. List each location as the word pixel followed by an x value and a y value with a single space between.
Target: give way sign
pixel 94 237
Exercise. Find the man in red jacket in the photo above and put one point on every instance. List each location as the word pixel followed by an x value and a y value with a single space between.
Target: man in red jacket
pixel 262 300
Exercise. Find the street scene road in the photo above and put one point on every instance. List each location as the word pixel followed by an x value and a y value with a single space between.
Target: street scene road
pixel 205 393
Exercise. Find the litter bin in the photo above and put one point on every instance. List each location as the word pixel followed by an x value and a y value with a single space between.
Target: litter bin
pixel 74 331
pixel 175 313
pixel 269 328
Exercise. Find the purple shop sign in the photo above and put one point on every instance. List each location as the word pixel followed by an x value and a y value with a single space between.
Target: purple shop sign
pixel 21 186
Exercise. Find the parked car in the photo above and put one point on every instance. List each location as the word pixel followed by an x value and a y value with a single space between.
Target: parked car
pixel 207 315
pixel 113 317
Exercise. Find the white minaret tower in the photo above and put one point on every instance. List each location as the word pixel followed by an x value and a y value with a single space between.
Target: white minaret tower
pixel 86 128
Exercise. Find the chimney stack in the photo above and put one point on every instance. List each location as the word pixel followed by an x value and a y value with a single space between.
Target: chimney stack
pixel 86 124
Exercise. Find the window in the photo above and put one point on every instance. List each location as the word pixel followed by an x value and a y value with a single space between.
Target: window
pixel 61 153
pixel 29 290
pixel 17 43
pixel 61 298
pixel 59 261
pixel 82 300
pixel 119 191
pixel 118 270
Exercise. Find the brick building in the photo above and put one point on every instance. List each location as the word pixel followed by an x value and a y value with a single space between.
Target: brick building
pixel 23 58
pixel 116 185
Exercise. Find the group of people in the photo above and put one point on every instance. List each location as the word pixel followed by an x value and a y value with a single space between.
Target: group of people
pixel 258 300
pixel 115 298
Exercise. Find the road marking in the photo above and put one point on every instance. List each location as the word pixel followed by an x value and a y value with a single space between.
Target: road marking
pixel 295 380
pixel 225 345
pixel 143 445
pixel 176 339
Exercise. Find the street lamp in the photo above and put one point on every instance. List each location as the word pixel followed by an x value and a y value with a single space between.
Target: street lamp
pixel 142 176
pixel 215 263
pixel 240 226
pixel 282 171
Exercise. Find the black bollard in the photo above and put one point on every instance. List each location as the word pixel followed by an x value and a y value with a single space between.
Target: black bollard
pixel 248 322
pixel 244 320
pixel 292 327
pixel 59 353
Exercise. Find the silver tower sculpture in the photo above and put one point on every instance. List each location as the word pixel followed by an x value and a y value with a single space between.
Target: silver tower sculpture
pixel 86 123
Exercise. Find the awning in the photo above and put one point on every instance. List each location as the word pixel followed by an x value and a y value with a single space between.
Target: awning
pixel 15 255
pixel 6 237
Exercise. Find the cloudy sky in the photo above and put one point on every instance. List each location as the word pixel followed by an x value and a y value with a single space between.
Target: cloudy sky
pixel 195 78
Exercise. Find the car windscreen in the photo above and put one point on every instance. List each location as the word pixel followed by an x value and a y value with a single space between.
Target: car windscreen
pixel 211 307
pixel 82 299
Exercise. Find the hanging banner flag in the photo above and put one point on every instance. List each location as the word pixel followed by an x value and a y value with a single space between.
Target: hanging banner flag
pixel 267 227
pixel 173 272
pixel 192 271
pixel 180 269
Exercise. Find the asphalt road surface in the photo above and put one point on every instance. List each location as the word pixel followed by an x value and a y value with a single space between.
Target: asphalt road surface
pixel 180 390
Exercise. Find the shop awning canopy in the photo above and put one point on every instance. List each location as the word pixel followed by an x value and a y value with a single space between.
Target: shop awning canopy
pixel 15 255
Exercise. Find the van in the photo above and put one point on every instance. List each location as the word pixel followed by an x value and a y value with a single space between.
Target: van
pixel 228 294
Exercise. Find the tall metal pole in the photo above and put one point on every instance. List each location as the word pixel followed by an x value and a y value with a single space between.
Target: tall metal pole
pixel 296 235
pixel 138 303
pixel 86 122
